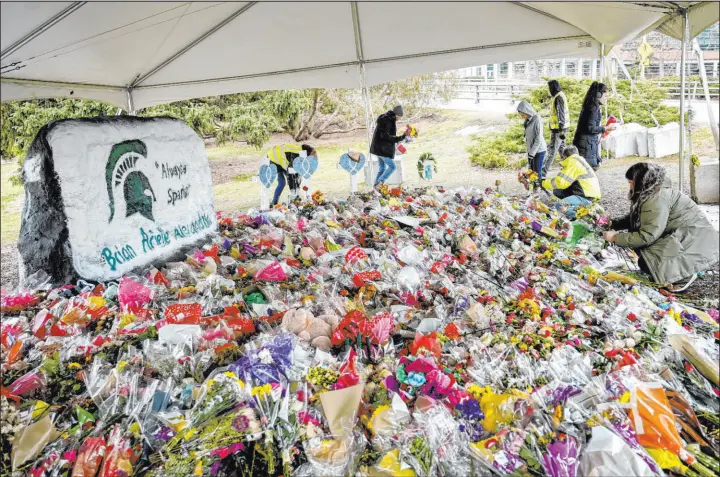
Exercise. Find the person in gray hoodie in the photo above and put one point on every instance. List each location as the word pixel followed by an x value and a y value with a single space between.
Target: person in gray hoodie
pixel 534 138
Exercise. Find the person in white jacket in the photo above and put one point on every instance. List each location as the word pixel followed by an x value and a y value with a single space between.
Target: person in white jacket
pixel 534 138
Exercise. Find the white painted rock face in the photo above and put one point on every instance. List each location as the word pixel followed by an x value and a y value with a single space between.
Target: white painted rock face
pixel 106 196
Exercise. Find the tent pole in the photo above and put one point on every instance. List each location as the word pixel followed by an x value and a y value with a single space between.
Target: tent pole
pixel 130 103
pixel 363 88
pixel 703 77
pixel 681 171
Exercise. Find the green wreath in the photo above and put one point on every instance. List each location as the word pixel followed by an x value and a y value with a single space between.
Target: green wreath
pixel 426 157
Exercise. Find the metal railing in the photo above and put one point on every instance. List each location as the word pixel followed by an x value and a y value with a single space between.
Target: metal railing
pixel 481 89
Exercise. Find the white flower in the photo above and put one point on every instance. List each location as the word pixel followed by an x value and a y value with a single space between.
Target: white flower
pixel 629 343
pixel 618 344
pixel 265 356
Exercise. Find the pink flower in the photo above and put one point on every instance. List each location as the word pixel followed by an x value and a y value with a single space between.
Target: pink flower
pixel 221 453
pixel 70 456
pixel 421 364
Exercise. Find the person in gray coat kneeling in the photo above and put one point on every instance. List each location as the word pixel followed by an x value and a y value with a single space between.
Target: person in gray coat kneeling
pixel 673 237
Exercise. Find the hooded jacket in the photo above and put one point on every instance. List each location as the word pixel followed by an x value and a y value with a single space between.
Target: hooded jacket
pixel 668 230
pixel 534 139
pixel 384 137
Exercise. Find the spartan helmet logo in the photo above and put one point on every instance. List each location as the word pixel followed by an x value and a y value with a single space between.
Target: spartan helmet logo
pixel 121 169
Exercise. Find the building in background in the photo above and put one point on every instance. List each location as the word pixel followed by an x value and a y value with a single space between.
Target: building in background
pixel 664 61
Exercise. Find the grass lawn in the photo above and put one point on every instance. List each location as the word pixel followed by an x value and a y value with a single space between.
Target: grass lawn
pixel 10 205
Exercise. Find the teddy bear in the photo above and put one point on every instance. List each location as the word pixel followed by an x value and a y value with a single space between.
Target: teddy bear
pixel 316 331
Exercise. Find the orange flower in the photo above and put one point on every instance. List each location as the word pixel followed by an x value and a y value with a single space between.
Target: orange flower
pixel 452 331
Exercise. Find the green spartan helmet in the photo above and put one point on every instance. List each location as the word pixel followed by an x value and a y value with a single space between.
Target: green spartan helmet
pixel 121 169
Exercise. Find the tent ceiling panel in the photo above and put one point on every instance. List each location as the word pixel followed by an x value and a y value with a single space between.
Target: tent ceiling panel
pixel 384 71
pixel 269 37
pixel 21 18
pixel 337 77
pixel 94 24
pixel 408 28
pixel 116 96
pixel 609 22
pixel 700 17
pixel 171 51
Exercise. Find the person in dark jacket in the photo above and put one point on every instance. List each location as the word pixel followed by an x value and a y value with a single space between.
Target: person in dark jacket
pixel 589 127
pixel 673 237
pixel 559 120
pixel 384 142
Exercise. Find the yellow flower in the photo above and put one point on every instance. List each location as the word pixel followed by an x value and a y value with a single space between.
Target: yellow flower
pixel 375 414
pixel 523 347
pixel 230 374
pixel 581 212
pixel 261 390
pixel 625 398
pixel 529 306
pixel 135 429
pixel 514 340
pixel 121 365
pixel 191 432
pixel 74 366
pixel 198 469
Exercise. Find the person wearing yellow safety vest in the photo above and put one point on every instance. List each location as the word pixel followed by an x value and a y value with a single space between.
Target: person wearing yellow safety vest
pixel 282 156
pixel 576 184
pixel 559 121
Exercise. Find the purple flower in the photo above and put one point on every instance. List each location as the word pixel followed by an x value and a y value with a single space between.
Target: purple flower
pixel 237 447
pixel 470 410
pixel 164 434
pixel 240 423
pixel 561 460
pixel 563 393
pixel 226 244
pixel 215 468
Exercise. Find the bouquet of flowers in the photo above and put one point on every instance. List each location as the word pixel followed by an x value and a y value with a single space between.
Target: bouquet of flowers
pixel 528 179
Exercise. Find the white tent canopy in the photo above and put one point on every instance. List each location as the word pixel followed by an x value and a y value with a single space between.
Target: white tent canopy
pixel 140 54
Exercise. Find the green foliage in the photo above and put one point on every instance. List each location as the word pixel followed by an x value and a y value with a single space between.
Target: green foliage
pixel 248 117
pixel 507 149
pixel 22 120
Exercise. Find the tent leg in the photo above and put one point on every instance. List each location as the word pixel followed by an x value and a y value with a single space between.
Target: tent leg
pixel 703 77
pixel 683 59
pixel 131 104
pixel 368 122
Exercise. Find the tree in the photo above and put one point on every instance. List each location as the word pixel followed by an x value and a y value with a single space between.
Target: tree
pixel 248 117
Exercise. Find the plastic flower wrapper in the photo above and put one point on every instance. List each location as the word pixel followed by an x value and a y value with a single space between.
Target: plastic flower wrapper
pixel 609 455
pixel 332 456
pixel 506 453
pixel 267 363
pixel 444 437
pixel 218 395
pixel 201 450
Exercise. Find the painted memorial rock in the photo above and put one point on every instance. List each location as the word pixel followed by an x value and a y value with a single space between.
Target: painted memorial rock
pixel 105 196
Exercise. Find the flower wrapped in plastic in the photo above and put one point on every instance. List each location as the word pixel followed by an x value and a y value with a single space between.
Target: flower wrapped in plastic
pixel 218 395
pixel 267 363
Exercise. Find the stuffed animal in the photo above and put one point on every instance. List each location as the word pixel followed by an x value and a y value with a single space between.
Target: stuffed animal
pixel 316 331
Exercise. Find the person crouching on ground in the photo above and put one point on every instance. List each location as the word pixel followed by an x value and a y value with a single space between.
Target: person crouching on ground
pixel 673 237
pixel 559 120
pixel 534 139
pixel 576 184
pixel 282 156
pixel 384 142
